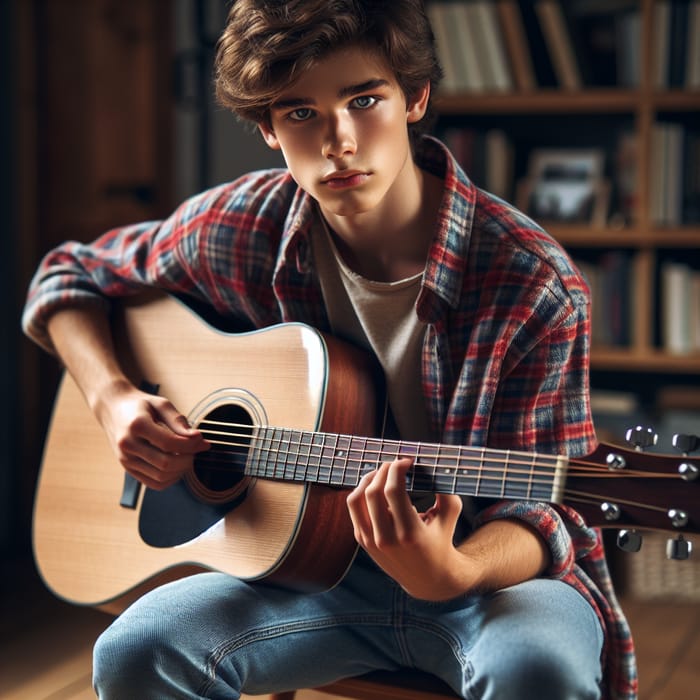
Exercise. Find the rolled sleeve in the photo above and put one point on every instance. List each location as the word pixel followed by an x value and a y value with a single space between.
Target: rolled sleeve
pixel 562 529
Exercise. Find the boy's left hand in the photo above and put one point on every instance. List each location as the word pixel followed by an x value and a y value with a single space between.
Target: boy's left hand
pixel 415 549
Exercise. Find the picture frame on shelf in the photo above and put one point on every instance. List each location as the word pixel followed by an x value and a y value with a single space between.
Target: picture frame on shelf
pixel 565 186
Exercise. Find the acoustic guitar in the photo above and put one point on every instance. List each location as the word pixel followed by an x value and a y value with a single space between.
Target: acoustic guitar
pixel 290 413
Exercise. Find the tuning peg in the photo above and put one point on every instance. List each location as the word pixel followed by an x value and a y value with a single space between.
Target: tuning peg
pixel 640 437
pixel 678 548
pixel 688 471
pixel 629 540
pixel 685 444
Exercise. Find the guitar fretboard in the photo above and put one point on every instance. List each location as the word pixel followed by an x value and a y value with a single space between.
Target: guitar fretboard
pixel 342 460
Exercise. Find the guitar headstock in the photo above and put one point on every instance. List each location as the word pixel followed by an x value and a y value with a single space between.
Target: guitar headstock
pixel 629 489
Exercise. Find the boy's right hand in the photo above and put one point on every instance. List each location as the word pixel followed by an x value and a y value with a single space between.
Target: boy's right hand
pixel 151 438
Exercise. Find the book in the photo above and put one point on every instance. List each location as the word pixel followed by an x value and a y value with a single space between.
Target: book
pixel 675 307
pixel 610 402
pixel 541 61
pixel 486 31
pixel 515 39
pixel 594 25
pixel 629 58
pixel 611 280
pixel 692 68
pixel 559 43
pixel 660 46
pixel 500 158
pixel 463 36
pixel 617 288
pixel 677 43
pixel 691 178
pixel 437 14
pixel 667 173
pixel 674 141
pixel 625 174
pixel 656 178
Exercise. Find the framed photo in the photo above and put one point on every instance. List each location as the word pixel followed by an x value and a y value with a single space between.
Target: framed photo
pixel 565 186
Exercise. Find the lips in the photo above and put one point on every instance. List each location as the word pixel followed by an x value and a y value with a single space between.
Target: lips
pixel 343 179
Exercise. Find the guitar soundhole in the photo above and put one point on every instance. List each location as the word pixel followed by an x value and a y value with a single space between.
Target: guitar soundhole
pixel 219 473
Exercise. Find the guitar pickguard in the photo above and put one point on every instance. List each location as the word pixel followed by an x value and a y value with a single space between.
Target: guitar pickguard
pixel 173 517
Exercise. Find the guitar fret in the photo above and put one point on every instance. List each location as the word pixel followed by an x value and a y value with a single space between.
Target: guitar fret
pixel 270 456
pixel 468 467
pixel 375 458
pixel 422 476
pixel 314 456
pixel 356 453
pixel 514 486
pixel 253 459
pixel 530 475
pixel 292 455
pixel 504 478
pixel 547 486
pixel 342 460
pixel 340 455
pixel 326 460
pixel 305 454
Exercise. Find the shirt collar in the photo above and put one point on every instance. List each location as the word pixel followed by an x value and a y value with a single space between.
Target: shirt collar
pixel 445 265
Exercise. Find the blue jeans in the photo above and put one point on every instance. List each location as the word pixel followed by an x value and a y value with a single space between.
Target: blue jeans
pixel 213 636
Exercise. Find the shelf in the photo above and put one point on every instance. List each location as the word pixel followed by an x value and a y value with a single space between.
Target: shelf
pixel 677 100
pixel 552 101
pixel 622 359
pixel 625 123
pixel 555 101
pixel 584 236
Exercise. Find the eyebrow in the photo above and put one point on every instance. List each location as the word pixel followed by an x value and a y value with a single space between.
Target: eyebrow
pixel 295 102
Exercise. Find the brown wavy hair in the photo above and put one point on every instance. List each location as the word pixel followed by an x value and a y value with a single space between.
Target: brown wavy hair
pixel 267 44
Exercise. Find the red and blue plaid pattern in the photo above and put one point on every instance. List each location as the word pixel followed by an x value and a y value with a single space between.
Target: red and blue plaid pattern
pixel 505 357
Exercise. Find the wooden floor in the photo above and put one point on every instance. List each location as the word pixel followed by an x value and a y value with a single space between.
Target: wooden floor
pixel 45 645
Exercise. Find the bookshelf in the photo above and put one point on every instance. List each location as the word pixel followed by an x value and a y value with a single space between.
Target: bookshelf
pixel 536 114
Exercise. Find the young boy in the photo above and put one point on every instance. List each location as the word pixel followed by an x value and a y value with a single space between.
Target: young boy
pixel 479 322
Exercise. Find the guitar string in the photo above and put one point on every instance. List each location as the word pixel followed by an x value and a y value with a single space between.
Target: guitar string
pixel 582 469
pixel 451 474
pixel 390 446
pixel 569 494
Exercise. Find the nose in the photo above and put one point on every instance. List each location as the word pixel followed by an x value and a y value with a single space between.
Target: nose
pixel 339 140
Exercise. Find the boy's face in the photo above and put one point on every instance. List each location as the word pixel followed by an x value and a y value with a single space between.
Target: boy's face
pixel 343 130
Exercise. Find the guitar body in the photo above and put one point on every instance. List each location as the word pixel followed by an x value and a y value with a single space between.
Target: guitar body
pixel 289 413
pixel 89 548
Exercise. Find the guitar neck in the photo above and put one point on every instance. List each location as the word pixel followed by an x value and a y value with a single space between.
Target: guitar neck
pixel 342 460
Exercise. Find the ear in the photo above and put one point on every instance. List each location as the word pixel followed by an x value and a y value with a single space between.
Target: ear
pixel 418 104
pixel 269 135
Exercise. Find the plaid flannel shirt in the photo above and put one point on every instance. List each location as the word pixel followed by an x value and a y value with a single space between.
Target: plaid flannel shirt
pixel 505 356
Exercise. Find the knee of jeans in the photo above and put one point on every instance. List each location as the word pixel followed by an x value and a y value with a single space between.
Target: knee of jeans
pixel 116 652
pixel 125 654
pixel 535 676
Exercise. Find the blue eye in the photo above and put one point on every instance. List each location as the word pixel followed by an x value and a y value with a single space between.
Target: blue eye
pixel 301 115
pixel 364 101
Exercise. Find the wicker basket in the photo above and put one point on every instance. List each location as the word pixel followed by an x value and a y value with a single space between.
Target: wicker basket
pixel 649 574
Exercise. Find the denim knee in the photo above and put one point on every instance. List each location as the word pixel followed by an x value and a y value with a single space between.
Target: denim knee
pixel 142 658
pixel 123 658
pixel 540 640
pixel 539 674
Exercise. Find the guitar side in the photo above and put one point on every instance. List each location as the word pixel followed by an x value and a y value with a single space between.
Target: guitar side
pixel 87 546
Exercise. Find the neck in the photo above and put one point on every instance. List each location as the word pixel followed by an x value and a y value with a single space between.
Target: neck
pixel 392 241
pixel 342 460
